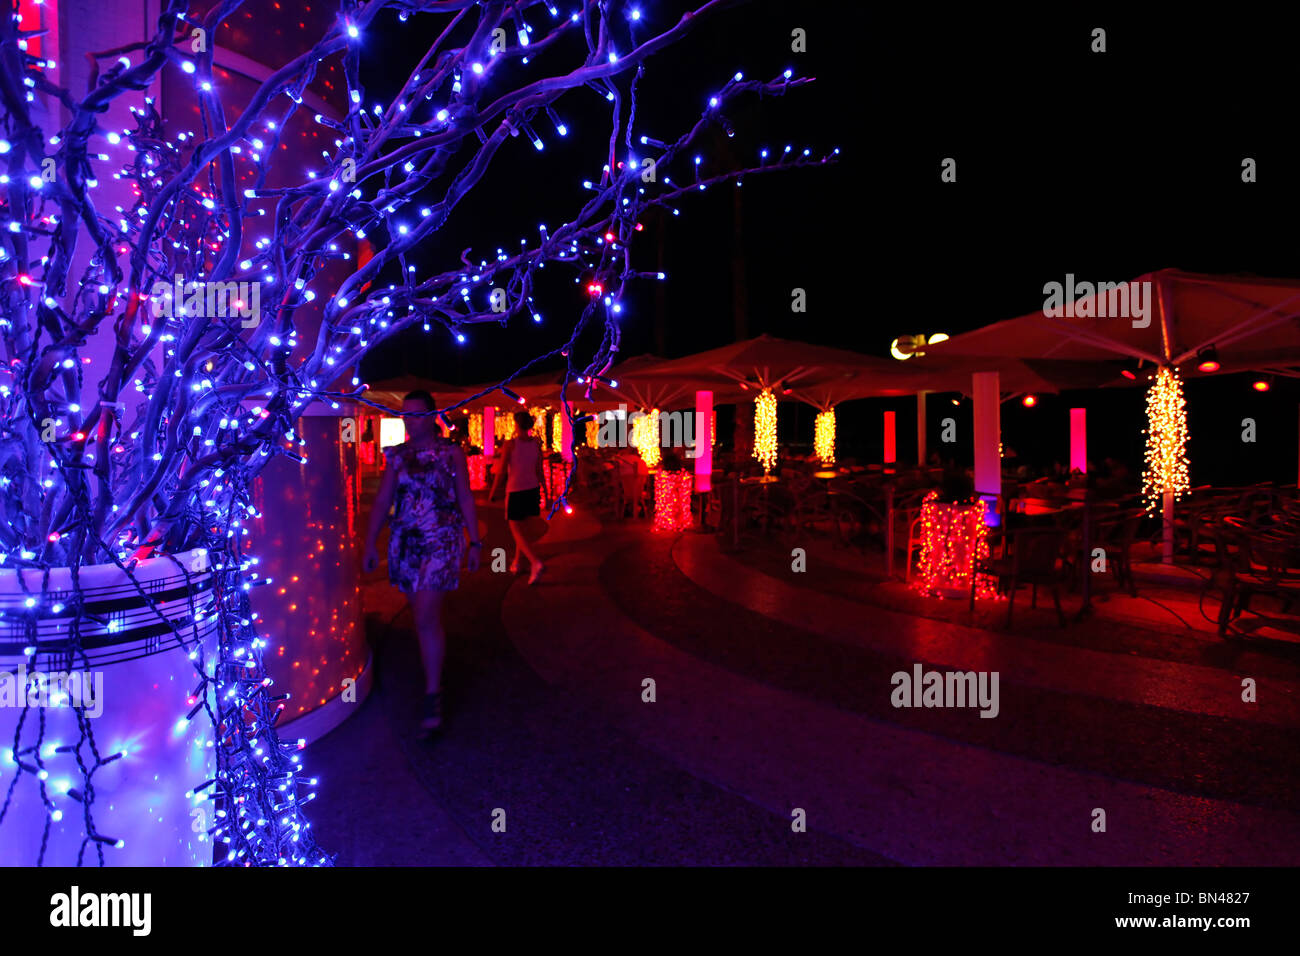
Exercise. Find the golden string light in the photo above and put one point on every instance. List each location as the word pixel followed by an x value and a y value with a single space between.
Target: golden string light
pixel 593 433
pixel 505 426
pixel 539 424
pixel 824 436
pixel 645 437
pixel 557 431
pixel 476 429
pixel 1165 467
pixel 765 430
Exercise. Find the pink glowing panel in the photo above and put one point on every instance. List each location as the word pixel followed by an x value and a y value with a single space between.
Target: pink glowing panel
pixel 988 440
pixel 891 445
pixel 489 431
pixel 1079 440
pixel 703 449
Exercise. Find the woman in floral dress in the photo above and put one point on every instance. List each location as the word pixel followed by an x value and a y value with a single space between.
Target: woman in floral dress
pixel 428 481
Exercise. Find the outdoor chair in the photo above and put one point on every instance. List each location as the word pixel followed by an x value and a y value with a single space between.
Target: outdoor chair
pixel 1246 567
pixel 1115 535
pixel 1035 553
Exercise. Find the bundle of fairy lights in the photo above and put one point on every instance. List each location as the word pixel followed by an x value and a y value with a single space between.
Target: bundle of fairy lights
pixel 824 436
pixel 1165 464
pixel 765 447
pixel 195 404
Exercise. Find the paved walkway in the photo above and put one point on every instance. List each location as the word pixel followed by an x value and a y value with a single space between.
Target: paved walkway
pixel 772 702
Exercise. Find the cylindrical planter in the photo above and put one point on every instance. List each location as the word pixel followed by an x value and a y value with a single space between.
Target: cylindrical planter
pixel 135 680
pixel 673 500
pixel 954 539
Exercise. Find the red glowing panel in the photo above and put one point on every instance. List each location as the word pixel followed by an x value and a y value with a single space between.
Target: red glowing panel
pixel 891 446
pixel 1079 440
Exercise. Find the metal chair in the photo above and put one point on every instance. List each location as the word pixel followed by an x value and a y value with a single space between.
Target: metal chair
pixel 1035 553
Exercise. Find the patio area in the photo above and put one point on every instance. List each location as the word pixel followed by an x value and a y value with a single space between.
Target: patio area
pixel 772 696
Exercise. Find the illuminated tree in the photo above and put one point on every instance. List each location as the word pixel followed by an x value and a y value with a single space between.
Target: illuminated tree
pixel 199 397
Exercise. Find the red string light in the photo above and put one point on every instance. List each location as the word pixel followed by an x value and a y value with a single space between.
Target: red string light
pixel 953 538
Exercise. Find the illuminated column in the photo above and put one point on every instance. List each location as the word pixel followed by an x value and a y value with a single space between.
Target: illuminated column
pixel 988 438
pixel 891 442
pixel 1079 440
pixel 1164 474
pixel 765 449
pixel 703 445
pixel 920 429
pixel 824 436
pixel 489 431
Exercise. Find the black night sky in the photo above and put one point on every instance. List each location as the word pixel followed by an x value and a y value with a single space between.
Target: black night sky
pixel 1102 165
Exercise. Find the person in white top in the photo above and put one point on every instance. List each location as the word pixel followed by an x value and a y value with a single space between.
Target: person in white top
pixel 521 469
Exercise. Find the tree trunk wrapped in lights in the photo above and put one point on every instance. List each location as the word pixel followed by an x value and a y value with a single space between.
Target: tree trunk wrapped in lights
pixel 824 436
pixel 476 430
pixel 765 430
pixel 645 437
pixel 1165 465
pixel 196 401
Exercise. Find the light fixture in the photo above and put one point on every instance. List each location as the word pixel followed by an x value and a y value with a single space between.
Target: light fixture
pixel 1207 359
pixel 1262 384
pixel 905 346
pixel 1029 401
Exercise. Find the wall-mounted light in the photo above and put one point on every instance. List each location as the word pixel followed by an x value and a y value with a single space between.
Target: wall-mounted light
pixel 905 346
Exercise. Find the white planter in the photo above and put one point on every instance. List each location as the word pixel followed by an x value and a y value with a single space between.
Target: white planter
pixel 146 677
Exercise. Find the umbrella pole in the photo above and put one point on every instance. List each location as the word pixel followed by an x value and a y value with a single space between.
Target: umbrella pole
pixel 1167 522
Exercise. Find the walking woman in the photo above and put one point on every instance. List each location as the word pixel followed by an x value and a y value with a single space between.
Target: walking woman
pixel 521 469
pixel 428 477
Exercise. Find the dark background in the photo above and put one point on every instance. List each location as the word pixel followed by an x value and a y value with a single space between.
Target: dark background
pixel 1104 165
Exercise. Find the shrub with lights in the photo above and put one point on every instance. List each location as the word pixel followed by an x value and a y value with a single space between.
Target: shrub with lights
pixel 954 539
pixel 196 400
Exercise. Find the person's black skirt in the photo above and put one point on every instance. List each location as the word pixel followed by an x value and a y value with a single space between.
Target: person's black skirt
pixel 523 504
